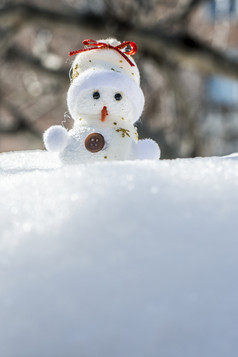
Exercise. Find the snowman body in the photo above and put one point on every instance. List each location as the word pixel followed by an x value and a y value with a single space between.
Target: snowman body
pixel 98 142
pixel 104 100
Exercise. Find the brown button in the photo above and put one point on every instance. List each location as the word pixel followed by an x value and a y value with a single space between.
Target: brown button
pixel 94 142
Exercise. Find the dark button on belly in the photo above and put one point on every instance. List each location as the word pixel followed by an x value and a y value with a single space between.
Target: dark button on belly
pixel 94 142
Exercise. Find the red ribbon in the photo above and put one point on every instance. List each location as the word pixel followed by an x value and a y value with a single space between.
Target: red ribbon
pixel 103 45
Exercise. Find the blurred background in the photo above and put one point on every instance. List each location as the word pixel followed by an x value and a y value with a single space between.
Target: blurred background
pixel 187 53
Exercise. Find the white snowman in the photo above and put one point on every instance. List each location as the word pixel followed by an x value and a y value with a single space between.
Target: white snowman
pixel 104 100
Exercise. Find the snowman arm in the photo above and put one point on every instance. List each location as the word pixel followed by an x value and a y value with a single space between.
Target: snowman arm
pixel 55 138
pixel 146 149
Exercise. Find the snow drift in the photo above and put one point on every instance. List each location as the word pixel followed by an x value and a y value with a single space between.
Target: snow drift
pixel 118 259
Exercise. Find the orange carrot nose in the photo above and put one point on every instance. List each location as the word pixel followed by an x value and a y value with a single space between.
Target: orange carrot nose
pixel 104 113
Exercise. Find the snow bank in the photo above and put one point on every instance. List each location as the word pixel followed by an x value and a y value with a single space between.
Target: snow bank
pixel 122 259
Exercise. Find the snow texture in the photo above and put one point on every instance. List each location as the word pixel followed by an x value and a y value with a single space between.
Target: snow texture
pixel 118 259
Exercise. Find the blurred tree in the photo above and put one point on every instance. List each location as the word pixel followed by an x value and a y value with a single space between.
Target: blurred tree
pixel 185 48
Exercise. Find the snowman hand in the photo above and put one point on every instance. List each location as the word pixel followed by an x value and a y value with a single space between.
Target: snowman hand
pixel 55 138
pixel 146 149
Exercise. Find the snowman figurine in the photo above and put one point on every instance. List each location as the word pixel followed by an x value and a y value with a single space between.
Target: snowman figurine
pixel 104 100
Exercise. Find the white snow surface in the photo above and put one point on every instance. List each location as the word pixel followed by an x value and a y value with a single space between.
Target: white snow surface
pixel 118 259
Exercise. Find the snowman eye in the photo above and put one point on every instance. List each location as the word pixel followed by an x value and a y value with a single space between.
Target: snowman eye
pixel 118 96
pixel 96 95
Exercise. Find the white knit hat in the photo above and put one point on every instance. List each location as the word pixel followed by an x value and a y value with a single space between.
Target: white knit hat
pixel 107 63
pixel 106 55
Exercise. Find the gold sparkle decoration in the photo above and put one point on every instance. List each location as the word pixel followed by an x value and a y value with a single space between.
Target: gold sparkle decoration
pixel 105 157
pixel 75 72
pixel 124 132
pixel 113 69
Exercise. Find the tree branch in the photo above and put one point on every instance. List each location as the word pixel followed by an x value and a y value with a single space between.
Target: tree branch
pixel 32 13
pixel 181 17
pixel 188 9
pixel 187 51
pixel 16 54
pixel 21 123
pixel 181 48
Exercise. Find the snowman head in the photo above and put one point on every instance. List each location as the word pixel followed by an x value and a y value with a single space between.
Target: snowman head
pixel 105 85
pixel 105 95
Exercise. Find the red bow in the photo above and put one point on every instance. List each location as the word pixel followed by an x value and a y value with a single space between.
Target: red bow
pixel 103 45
